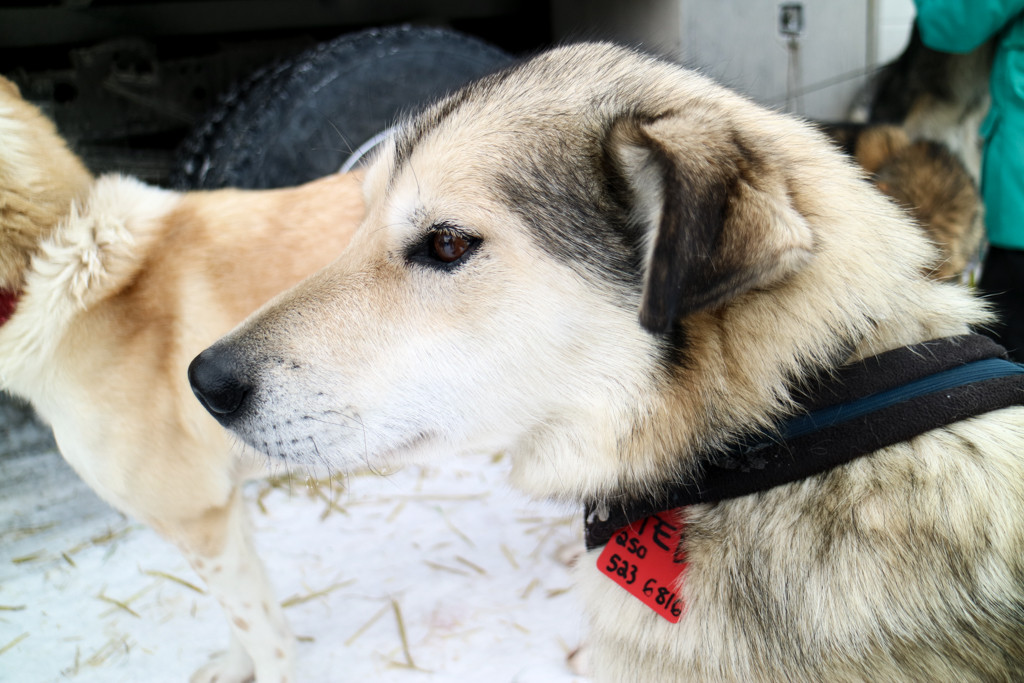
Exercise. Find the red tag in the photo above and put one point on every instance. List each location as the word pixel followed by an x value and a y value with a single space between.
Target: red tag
pixel 8 304
pixel 642 559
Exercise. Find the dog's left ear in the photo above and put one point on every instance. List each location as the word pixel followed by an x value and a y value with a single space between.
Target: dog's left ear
pixel 718 216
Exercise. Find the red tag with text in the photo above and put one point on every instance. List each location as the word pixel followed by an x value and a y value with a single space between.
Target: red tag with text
pixel 642 559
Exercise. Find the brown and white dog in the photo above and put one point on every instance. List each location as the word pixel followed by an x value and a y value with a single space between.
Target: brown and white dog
pixel 937 96
pixel 112 287
pixel 931 183
pixel 608 267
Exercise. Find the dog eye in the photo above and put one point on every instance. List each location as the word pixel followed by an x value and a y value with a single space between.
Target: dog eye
pixel 443 247
pixel 448 247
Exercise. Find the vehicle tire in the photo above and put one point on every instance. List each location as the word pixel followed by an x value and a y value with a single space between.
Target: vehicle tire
pixel 302 118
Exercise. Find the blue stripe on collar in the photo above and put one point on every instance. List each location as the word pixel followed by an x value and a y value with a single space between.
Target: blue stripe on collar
pixel 857 410
pixel 977 371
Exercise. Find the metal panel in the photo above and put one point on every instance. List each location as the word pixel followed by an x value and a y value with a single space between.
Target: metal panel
pixel 816 71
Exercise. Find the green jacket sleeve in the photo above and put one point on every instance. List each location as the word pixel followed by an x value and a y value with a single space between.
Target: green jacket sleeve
pixel 962 25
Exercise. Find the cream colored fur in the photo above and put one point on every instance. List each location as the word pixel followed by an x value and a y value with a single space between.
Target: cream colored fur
pixel 121 284
pixel 570 173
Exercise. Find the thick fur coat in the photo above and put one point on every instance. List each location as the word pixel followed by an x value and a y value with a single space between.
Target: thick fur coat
pixel 605 265
pixel 118 285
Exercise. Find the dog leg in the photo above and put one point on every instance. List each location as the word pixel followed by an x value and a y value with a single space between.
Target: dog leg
pixel 219 547
pixel 233 665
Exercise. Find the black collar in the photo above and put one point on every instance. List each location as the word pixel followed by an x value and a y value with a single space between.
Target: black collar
pixel 859 409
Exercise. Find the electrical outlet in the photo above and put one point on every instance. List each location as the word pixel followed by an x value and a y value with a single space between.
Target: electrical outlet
pixel 791 19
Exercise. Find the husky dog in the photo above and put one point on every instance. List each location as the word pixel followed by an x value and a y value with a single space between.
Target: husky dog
pixel 936 96
pixel 931 183
pixel 615 271
pixel 108 288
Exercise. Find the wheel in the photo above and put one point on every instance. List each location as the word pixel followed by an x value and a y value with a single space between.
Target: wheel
pixel 305 117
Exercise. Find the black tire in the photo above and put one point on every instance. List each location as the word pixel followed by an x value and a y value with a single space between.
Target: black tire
pixel 302 119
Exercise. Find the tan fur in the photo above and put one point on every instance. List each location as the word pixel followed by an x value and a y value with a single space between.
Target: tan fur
pixel 657 264
pixel 934 186
pixel 39 179
pixel 121 285
pixel 875 145
pixel 925 178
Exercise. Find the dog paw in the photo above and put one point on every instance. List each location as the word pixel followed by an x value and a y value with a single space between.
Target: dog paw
pixel 578 660
pixel 225 667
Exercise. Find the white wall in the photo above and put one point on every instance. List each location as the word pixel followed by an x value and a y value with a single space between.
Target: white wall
pixel 738 42
pixel 894 20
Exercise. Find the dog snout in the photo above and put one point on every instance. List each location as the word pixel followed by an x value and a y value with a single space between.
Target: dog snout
pixel 217 381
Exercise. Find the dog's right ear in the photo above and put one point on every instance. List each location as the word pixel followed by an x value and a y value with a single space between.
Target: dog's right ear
pixel 718 217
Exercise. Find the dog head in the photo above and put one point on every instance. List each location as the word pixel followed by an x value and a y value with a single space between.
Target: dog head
pixel 593 261
pixel 40 178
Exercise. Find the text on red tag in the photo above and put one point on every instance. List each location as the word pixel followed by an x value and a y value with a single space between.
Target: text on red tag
pixel 642 559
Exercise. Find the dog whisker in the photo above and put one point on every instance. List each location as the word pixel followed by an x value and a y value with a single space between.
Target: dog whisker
pixel 347 149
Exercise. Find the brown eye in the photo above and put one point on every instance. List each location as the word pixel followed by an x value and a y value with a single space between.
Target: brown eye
pixel 443 247
pixel 449 247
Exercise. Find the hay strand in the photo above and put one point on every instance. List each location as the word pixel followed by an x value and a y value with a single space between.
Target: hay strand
pixel 14 643
pixel 119 604
pixel 175 579
pixel 402 634
pixel 362 629
pixel 299 599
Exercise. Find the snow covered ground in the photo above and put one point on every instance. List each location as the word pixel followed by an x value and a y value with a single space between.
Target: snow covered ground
pixel 440 574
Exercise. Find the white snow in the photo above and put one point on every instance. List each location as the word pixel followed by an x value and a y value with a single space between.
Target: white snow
pixel 477 572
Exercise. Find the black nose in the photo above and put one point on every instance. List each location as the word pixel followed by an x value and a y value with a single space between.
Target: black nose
pixel 217 381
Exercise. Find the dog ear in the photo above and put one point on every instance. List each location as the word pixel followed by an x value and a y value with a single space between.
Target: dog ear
pixel 718 218
pixel 9 87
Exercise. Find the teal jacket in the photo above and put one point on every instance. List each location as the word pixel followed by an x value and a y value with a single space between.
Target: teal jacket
pixel 961 26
